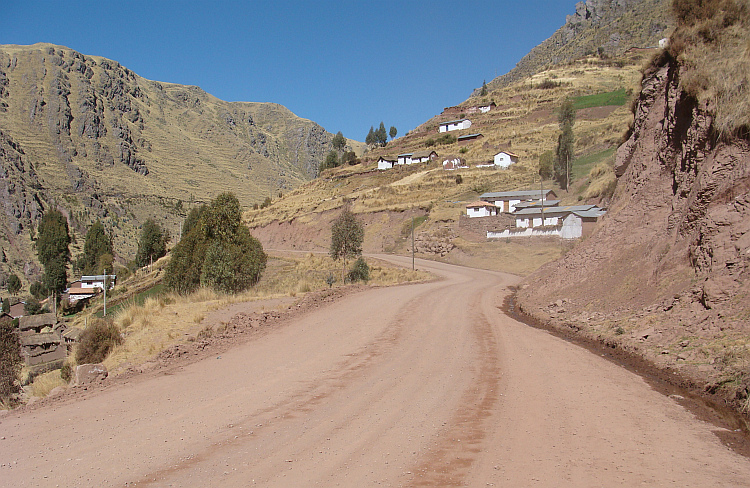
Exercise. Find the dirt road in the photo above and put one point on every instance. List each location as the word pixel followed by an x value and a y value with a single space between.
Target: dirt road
pixel 419 385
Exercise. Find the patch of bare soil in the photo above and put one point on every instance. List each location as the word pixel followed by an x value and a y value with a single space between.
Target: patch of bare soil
pixel 666 275
pixel 428 384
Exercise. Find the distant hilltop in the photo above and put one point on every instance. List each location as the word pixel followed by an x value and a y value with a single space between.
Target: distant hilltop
pixel 604 27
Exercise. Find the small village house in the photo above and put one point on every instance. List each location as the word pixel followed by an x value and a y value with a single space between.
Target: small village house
pixel 506 201
pixel 423 156
pixel 97 281
pixel 486 108
pixel 453 163
pixel 462 140
pixel 575 220
pixel 41 343
pixel 481 209
pixel 452 125
pixel 386 162
pixel 404 158
pixel 504 159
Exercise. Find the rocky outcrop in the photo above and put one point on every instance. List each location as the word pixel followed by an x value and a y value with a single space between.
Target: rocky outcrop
pixel 86 374
pixel 668 270
pixel 108 144
pixel 604 27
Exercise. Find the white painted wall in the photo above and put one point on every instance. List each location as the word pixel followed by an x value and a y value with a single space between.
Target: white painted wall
pixel 480 212
pixel 463 124
pixel 382 164
pixel 503 160
pixel 572 227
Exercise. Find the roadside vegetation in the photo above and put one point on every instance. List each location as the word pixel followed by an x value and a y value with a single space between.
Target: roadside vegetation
pixel 712 42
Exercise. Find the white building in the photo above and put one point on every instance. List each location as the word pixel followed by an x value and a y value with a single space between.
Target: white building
pixel 486 108
pixel 481 209
pixel 97 281
pixel 454 163
pixel 570 217
pixel 503 159
pixel 423 156
pixel 506 201
pixel 455 125
pixel 386 162
pixel 404 158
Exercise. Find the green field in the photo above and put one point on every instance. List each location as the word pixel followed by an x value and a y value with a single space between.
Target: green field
pixel 617 97
pixel 138 299
pixel 583 165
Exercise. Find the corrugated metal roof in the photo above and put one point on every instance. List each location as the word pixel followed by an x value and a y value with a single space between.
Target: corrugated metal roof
pixel 537 203
pixel 593 213
pixel 468 136
pixel 452 122
pixel 554 210
pixel 516 194
pixel 480 203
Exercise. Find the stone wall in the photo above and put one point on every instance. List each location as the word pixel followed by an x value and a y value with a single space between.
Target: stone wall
pixel 481 225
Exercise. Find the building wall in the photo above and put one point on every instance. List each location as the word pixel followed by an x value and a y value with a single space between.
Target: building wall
pixel 478 212
pixel 482 225
pixel 503 160
pixel 572 227
pixel 385 164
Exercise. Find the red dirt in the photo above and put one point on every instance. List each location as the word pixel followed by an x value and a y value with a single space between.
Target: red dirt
pixel 420 385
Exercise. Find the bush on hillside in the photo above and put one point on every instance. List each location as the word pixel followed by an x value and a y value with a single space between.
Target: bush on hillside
pixel 10 361
pixel 711 44
pixel 218 252
pixel 360 271
pixel 97 341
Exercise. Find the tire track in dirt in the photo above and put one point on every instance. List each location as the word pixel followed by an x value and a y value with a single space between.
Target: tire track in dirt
pixel 462 440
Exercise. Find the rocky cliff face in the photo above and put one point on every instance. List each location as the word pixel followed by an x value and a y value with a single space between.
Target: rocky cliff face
pixel 667 273
pixel 606 27
pixel 100 142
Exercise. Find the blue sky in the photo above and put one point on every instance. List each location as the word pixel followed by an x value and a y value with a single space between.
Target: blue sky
pixel 345 65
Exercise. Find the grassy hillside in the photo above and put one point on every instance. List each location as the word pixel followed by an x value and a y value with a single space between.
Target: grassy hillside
pixel 597 27
pixel 524 121
pixel 103 142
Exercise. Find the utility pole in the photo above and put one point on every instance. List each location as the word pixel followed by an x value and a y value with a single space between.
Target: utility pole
pixel 105 292
pixel 541 194
pixel 412 244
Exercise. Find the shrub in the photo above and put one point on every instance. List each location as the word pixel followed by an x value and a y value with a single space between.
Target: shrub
pixel 446 139
pixel 32 306
pixel 66 372
pixel 218 252
pixel 548 84
pixel 459 179
pixel 10 361
pixel 359 272
pixel 330 280
pixel 38 290
pixel 97 341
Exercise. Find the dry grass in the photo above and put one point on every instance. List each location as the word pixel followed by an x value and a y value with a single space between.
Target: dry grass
pixel 45 383
pixel 602 180
pixel 712 43
pixel 169 318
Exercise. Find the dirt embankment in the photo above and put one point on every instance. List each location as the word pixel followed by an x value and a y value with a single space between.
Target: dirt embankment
pixel 666 273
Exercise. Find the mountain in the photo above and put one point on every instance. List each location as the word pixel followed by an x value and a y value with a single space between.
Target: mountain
pixel 89 136
pixel 667 273
pixel 604 27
